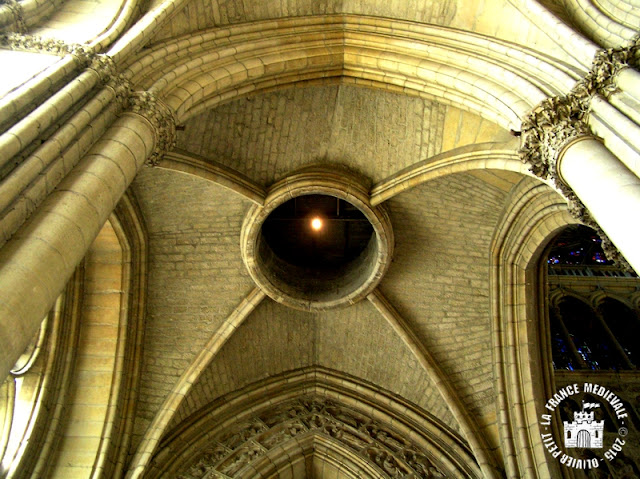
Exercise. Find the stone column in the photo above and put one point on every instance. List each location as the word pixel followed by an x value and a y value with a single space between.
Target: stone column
pixel 608 189
pixel 37 262
pixel 602 192
pixel 629 81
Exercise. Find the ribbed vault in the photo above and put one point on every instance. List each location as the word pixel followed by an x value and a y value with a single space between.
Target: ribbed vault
pixel 345 340
pixel 197 74
pixel 479 17
pixel 340 340
pixel 172 359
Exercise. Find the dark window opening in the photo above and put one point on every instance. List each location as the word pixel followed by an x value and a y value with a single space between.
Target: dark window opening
pixel 577 245
pixel 338 236
pixel 586 331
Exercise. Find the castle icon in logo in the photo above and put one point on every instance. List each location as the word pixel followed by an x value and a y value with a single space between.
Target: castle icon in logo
pixel 584 431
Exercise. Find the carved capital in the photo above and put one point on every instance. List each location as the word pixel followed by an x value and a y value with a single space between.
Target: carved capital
pixel 558 121
pixel 104 66
pixel 160 116
pixel 51 46
pixel 546 132
pixel 107 70
pixel 83 54
pixel 549 128
pixel 122 88
pixel 607 64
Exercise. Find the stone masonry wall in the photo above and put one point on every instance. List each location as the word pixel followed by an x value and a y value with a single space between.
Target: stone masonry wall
pixel 196 277
pixel 266 137
pixel 354 340
pixel 439 279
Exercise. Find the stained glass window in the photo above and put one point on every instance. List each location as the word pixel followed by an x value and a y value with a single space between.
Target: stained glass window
pixel 587 331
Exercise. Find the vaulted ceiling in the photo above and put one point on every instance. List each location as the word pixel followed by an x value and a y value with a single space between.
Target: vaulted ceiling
pixel 412 108
pixel 443 227
pixel 444 223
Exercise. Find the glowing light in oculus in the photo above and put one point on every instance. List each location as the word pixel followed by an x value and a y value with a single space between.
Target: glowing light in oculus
pixel 316 224
pixel 320 232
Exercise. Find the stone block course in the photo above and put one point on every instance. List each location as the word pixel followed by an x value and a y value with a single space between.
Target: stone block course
pixel 268 136
pixel 348 340
pixel 364 77
pixel 196 277
pixel 443 232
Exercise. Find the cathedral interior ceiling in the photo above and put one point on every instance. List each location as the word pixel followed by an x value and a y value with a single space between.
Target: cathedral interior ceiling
pixel 414 98
pixel 476 17
pixel 263 137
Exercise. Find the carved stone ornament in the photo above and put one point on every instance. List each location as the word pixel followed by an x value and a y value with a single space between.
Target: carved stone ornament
pixel 607 64
pixel 545 132
pixel 31 43
pixel 557 121
pixel 122 88
pixel 106 68
pixel 554 123
pixel 84 56
pixel 230 451
pixel 161 117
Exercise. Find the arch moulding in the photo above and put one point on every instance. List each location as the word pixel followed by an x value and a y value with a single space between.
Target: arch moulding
pixel 378 434
pixel 523 377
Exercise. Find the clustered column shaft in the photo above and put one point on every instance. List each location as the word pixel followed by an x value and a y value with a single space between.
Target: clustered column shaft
pixel 559 145
pixel 590 168
pixel 94 156
pixel 39 259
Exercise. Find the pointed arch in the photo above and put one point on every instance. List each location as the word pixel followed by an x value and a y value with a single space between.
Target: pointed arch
pixel 534 214
pixel 500 82
pixel 236 434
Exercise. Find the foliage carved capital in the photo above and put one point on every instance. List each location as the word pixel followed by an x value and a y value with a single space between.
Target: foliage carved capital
pixel 103 65
pixel 607 64
pixel 558 121
pixel 160 116
pixel 549 128
pixel 50 46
